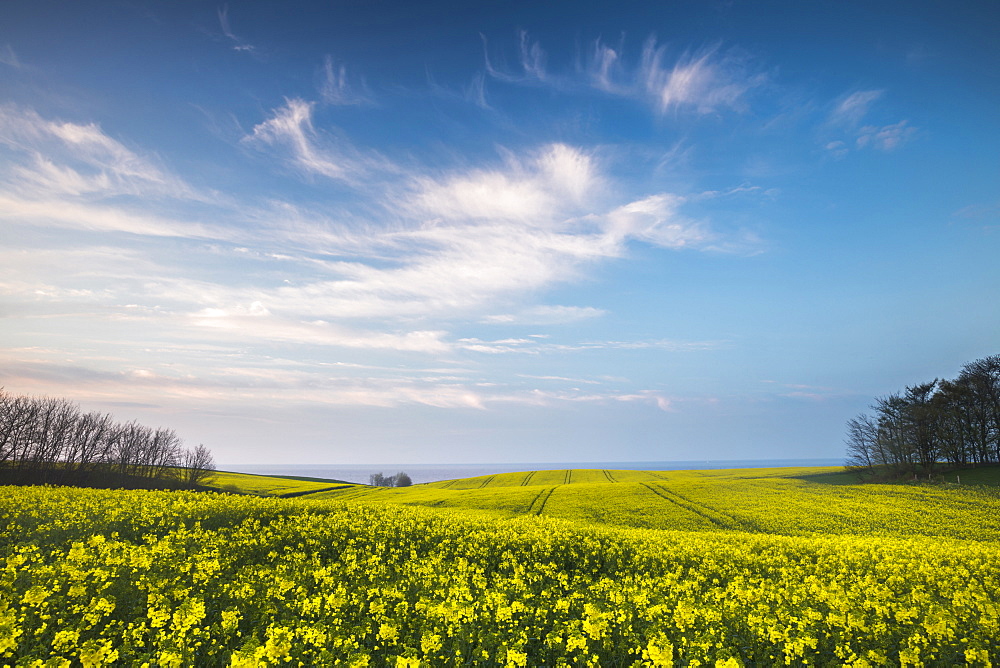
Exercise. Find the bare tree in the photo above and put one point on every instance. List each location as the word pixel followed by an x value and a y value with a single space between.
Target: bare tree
pixel 957 422
pixel 198 465
pixel 983 380
pixel 45 440
pixel 862 443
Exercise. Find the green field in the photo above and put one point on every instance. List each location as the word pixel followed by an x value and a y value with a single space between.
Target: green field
pixel 269 485
pixel 743 567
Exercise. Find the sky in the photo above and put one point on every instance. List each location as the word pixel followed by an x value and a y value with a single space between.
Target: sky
pixel 466 232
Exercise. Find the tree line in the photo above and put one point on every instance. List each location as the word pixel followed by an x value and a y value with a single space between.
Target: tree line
pixel 952 422
pixel 46 440
pixel 401 479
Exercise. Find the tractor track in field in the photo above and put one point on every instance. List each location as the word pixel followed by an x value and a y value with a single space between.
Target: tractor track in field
pixel 353 494
pixel 607 474
pixel 543 496
pixel 568 478
pixel 487 481
pixel 292 495
pixel 527 478
pixel 734 523
pixel 690 506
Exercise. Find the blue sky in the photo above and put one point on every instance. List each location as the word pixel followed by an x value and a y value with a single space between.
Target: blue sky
pixel 396 232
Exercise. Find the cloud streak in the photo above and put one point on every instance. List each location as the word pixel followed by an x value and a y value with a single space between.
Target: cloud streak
pixel 9 58
pixel 847 117
pixel 703 82
pixel 336 89
pixel 289 384
pixel 237 43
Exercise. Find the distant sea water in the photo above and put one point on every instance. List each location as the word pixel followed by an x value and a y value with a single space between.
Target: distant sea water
pixel 433 472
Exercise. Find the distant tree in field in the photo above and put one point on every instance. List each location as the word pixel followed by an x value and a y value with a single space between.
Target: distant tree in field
pixel 401 479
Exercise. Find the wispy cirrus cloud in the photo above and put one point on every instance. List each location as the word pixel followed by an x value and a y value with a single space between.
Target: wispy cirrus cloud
pixel 9 58
pixel 852 108
pixel 291 129
pixel 75 159
pixel 984 216
pixel 256 322
pixel 282 382
pixel 97 217
pixel 886 137
pixel 75 176
pixel 545 315
pixel 336 89
pixel 535 346
pixel 548 398
pixel 237 43
pixel 704 81
pixel 847 119
pixel 531 59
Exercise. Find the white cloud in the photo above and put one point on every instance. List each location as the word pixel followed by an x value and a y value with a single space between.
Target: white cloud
pixel 64 158
pixel 606 69
pixel 885 138
pixel 541 190
pixel 531 59
pixel 656 220
pixel 221 385
pixel 546 315
pixel 75 176
pixel 475 92
pixel 854 107
pixel 837 148
pixel 533 346
pixel 237 43
pixel 704 82
pixel 848 115
pixel 254 322
pixel 335 89
pixel 282 383
pixel 95 217
pixel 9 58
pixel 291 127
pixel 545 397
pixel 698 82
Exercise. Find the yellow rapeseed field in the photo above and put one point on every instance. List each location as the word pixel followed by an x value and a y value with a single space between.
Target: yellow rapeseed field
pixel 738 570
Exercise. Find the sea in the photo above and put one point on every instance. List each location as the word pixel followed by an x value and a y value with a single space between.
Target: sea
pixel 433 472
